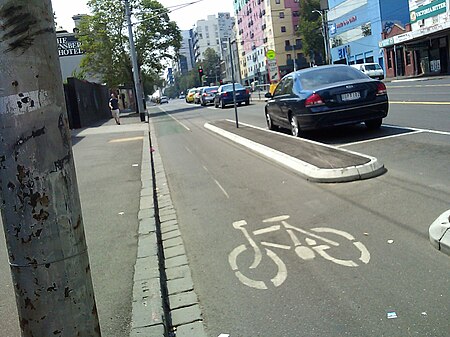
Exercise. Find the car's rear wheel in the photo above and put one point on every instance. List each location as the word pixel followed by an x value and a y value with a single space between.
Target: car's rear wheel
pixel 295 130
pixel 269 122
pixel 222 104
pixel 374 124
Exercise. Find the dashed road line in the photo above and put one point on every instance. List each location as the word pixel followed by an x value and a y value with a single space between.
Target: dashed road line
pixel 221 188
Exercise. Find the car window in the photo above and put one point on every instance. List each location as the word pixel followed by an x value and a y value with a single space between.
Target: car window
pixel 288 86
pixel 317 78
pixel 372 67
pixel 279 89
pixel 212 89
pixel 229 87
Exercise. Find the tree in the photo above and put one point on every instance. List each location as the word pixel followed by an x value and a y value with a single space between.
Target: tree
pixel 104 39
pixel 310 27
pixel 211 65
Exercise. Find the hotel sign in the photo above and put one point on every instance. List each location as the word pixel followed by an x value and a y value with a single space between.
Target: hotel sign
pixel 432 9
pixel 69 46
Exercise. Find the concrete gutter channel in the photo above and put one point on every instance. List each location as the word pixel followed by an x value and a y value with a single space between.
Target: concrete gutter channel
pixel 164 301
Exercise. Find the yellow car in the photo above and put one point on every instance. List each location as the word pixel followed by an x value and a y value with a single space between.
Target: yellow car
pixel 190 95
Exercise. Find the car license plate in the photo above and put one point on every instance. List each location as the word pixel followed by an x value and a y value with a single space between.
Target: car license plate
pixel 351 96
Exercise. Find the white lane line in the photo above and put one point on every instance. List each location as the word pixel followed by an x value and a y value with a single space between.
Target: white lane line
pixel 222 189
pixel 445 133
pixel 188 150
pixel 176 120
pixel 380 138
pixel 205 168
pixel 419 103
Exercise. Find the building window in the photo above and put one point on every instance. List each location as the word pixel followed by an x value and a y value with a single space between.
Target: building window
pixel 277 2
pixel 281 15
pixel 389 59
pixel 288 57
pixel 283 29
pixel 287 43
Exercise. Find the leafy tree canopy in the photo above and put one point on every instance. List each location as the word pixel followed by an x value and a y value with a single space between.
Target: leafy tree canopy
pixel 310 26
pixel 104 38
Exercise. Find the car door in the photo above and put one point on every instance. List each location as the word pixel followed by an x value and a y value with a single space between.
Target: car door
pixel 274 104
pixel 287 100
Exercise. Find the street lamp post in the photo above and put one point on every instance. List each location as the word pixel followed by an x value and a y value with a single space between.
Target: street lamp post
pixel 323 15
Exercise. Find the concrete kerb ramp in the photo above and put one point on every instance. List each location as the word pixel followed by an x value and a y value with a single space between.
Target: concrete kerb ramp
pixel 348 165
pixel 439 233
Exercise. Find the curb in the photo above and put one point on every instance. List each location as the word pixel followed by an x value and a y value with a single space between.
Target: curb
pixel 183 305
pixel 147 317
pixel 164 300
pixel 439 233
pixel 312 173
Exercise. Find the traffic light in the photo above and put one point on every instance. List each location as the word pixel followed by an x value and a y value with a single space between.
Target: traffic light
pixel 200 74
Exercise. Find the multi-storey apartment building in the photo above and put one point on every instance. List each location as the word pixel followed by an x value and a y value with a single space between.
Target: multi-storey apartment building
pixel 212 33
pixel 355 28
pixel 268 25
pixel 186 61
pixel 422 45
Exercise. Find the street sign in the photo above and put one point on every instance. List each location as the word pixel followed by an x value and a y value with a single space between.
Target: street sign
pixel 270 54
pixel 273 70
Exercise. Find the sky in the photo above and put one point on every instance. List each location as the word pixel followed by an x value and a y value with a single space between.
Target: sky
pixel 185 17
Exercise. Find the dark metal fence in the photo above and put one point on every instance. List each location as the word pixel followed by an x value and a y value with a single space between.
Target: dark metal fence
pixel 87 103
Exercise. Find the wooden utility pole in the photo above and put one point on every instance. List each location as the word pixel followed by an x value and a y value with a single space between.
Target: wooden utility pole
pixel 39 198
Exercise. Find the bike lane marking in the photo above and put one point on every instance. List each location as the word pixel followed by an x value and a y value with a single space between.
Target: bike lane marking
pixel 304 252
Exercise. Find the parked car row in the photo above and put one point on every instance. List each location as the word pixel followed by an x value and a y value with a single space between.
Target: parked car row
pixel 218 95
pixel 312 98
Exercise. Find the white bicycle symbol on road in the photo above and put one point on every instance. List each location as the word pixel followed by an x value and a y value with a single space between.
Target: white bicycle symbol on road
pixel 304 252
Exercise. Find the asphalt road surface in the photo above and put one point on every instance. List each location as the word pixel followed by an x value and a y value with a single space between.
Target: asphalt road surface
pixel 274 255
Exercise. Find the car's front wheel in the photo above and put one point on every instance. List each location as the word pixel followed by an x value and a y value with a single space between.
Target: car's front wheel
pixel 269 122
pixel 374 124
pixel 295 130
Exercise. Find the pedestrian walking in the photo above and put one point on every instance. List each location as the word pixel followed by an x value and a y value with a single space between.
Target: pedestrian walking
pixel 114 106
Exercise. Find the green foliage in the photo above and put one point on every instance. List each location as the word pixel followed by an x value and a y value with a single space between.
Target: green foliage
pixel 104 38
pixel 310 26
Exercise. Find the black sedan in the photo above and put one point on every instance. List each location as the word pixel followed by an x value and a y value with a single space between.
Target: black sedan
pixel 326 96
pixel 224 95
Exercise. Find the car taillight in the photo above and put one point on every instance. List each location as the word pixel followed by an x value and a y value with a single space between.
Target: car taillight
pixel 225 94
pixel 204 94
pixel 313 100
pixel 381 89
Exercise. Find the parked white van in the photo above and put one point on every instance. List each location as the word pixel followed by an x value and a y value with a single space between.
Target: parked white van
pixel 370 69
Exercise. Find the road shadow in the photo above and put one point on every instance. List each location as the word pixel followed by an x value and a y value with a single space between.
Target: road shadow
pixel 349 134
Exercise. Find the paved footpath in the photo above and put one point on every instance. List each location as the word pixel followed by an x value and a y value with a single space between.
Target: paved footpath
pixel 124 232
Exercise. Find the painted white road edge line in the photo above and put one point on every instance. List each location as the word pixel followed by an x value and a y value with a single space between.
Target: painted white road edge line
pixel 372 168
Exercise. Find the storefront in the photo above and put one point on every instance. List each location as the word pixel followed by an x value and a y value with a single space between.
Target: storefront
pixel 422 47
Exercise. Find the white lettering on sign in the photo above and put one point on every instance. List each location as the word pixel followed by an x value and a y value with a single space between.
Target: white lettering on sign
pixel 69 46
pixel 346 22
